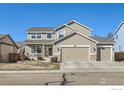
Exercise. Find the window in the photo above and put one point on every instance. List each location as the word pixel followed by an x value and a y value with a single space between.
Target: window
pixel 33 49
pixel 61 34
pixel 36 49
pixel 49 35
pixel 38 35
pixel 33 35
pixel 119 48
pixel 39 48
pixel 116 36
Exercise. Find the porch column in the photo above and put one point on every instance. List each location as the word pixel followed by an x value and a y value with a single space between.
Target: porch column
pixel 43 50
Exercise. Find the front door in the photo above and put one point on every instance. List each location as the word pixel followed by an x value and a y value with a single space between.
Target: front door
pixel 50 51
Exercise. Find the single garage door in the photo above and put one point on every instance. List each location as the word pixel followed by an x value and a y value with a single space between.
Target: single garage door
pixel 104 54
pixel 75 53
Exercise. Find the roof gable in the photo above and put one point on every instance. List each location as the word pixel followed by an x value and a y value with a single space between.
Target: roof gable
pixel 4 36
pixel 75 32
pixel 121 24
pixel 73 21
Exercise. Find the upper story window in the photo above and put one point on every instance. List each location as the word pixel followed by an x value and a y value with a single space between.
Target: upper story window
pixel 49 35
pixel 61 34
pixel 33 35
pixel 116 36
pixel 38 35
pixel 119 48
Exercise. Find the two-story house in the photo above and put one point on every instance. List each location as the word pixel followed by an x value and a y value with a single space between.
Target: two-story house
pixel 118 37
pixel 69 42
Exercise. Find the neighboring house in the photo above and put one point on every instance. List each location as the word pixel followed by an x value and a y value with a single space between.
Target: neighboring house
pixel 7 45
pixel 118 37
pixel 69 42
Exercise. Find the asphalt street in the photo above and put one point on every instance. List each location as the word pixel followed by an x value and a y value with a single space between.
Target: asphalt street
pixel 79 78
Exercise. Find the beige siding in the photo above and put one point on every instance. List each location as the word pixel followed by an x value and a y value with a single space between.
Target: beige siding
pixel 66 29
pixel 76 40
pixel 75 54
pixel 81 29
pixel 43 36
pixel 5 50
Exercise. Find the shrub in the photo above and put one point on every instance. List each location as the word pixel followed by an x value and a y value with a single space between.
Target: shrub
pixel 119 56
pixel 54 59
pixel 40 58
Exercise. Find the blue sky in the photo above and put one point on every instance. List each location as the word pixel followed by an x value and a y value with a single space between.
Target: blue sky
pixel 15 19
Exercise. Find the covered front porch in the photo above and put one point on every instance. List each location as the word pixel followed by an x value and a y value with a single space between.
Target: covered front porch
pixel 38 50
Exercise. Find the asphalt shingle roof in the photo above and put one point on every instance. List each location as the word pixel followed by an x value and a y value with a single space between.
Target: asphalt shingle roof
pixel 2 35
pixel 38 41
pixel 43 29
pixel 103 40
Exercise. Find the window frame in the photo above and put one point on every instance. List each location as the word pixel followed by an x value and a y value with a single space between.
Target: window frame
pixel 48 35
pixel 33 34
pixel 38 36
pixel 61 34
pixel 34 49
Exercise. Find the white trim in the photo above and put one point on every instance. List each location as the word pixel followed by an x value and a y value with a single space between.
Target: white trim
pixel 105 46
pixel 82 45
pixel 71 27
pixel 117 28
pixel 60 26
pixel 66 46
pixel 86 36
pixel 111 53
pixel 79 34
pixel 80 24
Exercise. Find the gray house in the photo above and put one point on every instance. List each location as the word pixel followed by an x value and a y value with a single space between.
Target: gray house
pixel 69 42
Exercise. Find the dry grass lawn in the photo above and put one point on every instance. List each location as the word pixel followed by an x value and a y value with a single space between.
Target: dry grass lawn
pixel 30 65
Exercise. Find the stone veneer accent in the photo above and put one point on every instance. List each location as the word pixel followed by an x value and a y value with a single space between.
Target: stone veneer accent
pixel 93 57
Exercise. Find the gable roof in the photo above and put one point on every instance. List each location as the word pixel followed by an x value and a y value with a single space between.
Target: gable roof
pixel 72 21
pixel 118 28
pixel 2 36
pixel 5 35
pixel 50 29
pixel 75 32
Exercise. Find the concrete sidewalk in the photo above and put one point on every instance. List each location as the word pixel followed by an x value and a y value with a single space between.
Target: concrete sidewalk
pixel 70 67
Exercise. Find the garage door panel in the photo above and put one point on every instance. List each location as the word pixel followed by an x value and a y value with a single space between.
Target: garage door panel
pixel 75 54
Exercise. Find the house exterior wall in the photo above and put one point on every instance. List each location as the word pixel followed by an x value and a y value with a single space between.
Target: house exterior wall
pixel 43 36
pixel 65 29
pixel 74 40
pixel 119 39
pixel 81 29
pixel 5 50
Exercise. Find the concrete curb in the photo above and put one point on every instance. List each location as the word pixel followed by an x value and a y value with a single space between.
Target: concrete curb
pixel 31 71
pixel 65 71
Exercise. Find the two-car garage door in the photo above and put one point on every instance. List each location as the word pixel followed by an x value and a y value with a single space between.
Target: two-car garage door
pixel 75 53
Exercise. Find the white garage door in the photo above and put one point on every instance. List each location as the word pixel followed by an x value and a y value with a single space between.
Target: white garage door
pixel 75 53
